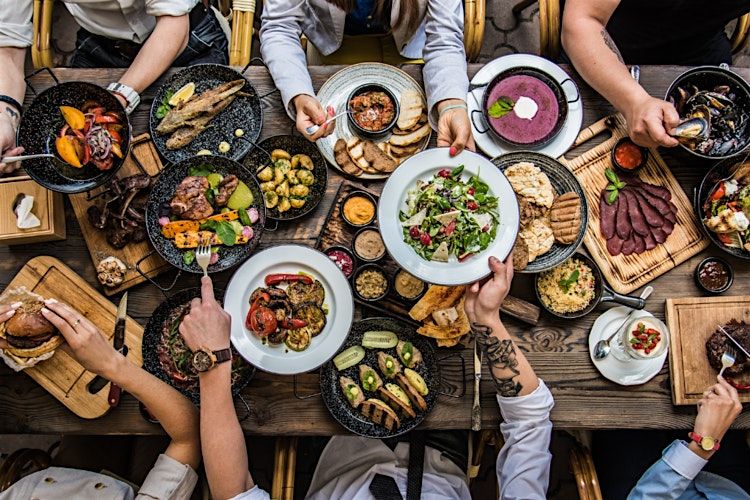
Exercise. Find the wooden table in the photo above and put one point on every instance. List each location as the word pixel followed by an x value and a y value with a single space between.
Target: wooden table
pixel 557 349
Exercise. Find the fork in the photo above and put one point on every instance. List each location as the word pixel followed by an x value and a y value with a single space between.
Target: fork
pixel 727 359
pixel 203 256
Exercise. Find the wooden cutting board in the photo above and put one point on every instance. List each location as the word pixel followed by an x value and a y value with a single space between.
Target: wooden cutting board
pixel 143 158
pixel 691 322
pixel 61 375
pixel 626 273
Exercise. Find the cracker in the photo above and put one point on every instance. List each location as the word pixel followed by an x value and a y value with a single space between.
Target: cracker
pixel 538 237
pixel 565 218
pixel 528 181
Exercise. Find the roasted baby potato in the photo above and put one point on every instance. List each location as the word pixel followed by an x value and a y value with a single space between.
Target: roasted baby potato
pixel 284 205
pixel 283 189
pixel 305 177
pixel 291 176
pixel 303 161
pixel 297 202
pixel 300 191
pixel 267 186
pixel 266 174
pixel 271 198
pixel 277 154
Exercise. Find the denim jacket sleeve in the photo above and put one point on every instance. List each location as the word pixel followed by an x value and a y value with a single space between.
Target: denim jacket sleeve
pixel 670 476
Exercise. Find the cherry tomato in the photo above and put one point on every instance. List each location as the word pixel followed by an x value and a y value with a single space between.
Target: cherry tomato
pixel 261 321
pixel 444 173
pixel 450 228
pixel 425 239
pixel 414 232
pixel 719 193
pixel 471 191
pixel 471 205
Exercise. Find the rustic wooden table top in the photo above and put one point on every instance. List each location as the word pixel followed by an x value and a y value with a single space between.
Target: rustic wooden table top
pixel 557 349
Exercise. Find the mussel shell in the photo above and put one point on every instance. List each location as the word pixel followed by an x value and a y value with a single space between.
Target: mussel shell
pixel 693 128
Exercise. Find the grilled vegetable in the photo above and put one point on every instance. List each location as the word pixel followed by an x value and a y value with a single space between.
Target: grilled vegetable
pixel 389 366
pixel 313 316
pixel 370 379
pixel 298 340
pixel 349 357
pixel 416 380
pixel 379 340
pixel 352 391
pixel 276 279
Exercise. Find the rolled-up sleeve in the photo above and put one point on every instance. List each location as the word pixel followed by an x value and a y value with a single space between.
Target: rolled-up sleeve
pixel 671 475
pixel 159 8
pixel 444 55
pixel 280 46
pixel 168 480
pixel 15 23
pixel 523 464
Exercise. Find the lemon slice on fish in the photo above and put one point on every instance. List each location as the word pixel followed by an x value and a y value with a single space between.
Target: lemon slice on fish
pixel 182 95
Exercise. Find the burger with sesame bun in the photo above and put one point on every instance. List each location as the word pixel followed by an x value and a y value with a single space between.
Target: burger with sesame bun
pixel 28 333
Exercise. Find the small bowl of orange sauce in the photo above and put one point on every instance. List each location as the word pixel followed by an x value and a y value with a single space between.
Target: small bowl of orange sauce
pixel 627 156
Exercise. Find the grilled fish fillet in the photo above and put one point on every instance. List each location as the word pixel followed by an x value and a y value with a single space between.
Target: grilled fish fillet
pixel 192 128
pixel 202 104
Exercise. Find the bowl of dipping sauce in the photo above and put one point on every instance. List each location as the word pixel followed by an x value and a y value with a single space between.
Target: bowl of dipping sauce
pixel 368 245
pixel 358 209
pixel 627 156
pixel 714 275
pixel 408 287
pixel 370 282
pixel 343 258
pixel 373 111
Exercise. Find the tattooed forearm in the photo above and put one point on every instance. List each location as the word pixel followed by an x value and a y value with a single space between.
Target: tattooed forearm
pixel 501 355
pixel 611 45
pixel 12 113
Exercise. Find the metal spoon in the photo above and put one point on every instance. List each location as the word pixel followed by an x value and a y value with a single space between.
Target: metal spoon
pixel 11 159
pixel 602 348
pixel 314 128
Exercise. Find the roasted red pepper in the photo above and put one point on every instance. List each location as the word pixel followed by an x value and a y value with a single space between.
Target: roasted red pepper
pixel 719 193
pixel 293 324
pixel 261 321
pixel 106 119
pixel 275 279
pixel 86 153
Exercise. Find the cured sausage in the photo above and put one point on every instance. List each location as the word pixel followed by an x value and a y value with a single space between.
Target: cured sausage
pixel 624 228
pixel 653 217
pixel 614 245
pixel 637 219
pixel 607 215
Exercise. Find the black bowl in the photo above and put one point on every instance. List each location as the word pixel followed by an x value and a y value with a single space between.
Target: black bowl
pixel 348 252
pixel 244 113
pixel 293 145
pixel 364 268
pixel 42 121
pixel 620 168
pixel 354 242
pixel 372 134
pixel 408 300
pixel 163 191
pixel 715 291
pixel 365 195
pixel 706 78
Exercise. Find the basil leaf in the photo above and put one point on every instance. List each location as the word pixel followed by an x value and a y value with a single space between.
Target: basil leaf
pixel 164 107
pixel 244 218
pixel 612 197
pixel 611 187
pixel 566 283
pixel 611 176
pixel 456 173
pixel 501 107
pixel 225 232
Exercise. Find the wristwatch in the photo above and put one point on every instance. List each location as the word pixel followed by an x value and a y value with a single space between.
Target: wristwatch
pixel 204 358
pixel 707 443
pixel 131 96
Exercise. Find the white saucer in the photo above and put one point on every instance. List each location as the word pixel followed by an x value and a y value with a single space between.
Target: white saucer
pixel 570 129
pixel 624 373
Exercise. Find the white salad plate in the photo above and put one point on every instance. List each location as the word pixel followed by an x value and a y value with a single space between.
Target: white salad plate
pixel 632 372
pixel 423 166
pixel 494 147
pixel 290 259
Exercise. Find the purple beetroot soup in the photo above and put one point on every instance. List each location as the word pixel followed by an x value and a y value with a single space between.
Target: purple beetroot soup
pixel 522 130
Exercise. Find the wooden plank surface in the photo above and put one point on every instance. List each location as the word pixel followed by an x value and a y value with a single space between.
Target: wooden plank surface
pixel 556 348
pixel 691 321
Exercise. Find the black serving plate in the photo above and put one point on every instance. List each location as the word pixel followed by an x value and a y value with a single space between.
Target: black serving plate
pixel 163 191
pixel 257 159
pixel 42 121
pixel 244 113
pixel 563 181
pixel 339 406
pixel 152 337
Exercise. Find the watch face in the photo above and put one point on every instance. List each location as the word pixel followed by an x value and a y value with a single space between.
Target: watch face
pixel 708 443
pixel 201 361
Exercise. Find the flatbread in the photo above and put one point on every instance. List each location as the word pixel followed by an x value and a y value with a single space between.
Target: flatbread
pixel 538 237
pixel 520 254
pixel 412 137
pixel 436 297
pixel 378 159
pixel 528 181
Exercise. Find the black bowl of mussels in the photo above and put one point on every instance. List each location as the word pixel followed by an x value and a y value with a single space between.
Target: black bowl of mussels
pixel 714 107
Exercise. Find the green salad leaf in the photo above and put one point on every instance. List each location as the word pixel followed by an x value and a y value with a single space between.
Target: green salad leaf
pixel 200 170
pixel 188 257
pixel 164 107
pixel 501 107
pixel 223 229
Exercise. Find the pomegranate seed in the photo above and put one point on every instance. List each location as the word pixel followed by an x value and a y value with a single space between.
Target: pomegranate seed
pixel 471 205
pixel 471 191
pixel 445 173
pixel 414 232
pixel 425 239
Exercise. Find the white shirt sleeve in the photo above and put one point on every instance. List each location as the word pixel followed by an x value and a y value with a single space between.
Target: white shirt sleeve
pixel 254 493
pixel 159 8
pixel 169 479
pixel 523 464
pixel 15 23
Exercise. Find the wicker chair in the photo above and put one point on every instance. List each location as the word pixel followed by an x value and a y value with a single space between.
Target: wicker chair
pixel 550 24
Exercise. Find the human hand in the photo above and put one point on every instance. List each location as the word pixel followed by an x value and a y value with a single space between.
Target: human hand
pixel 8 141
pixel 89 346
pixel 7 312
pixel 718 408
pixel 649 119
pixel 207 324
pixel 310 112
pixel 482 303
pixel 454 127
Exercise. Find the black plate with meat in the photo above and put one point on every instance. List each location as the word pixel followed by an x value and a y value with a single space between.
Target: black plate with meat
pixel 164 190
pixel 42 121
pixel 165 320
pixel 244 113
pixel 258 159
pixel 337 403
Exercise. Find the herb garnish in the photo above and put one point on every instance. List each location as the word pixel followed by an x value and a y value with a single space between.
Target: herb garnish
pixel 501 107
pixel 615 185
pixel 164 106
pixel 566 283
pixel 200 170
pixel 223 230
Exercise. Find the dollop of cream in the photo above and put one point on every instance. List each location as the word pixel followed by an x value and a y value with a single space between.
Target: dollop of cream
pixel 525 108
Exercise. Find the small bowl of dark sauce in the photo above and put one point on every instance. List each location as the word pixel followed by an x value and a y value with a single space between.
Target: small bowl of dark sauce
pixel 627 156
pixel 714 275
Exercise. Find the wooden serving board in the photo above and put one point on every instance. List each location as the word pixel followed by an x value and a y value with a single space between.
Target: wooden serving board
pixel 143 158
pixel 61 375
pixel 691 322
pixel 336 232
pixel 626 273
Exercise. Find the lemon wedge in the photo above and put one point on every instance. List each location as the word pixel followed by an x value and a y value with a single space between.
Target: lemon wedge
pixel 182 95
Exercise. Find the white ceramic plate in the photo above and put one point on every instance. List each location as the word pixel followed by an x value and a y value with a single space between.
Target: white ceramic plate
pixel 493 147
pixel 634 372
pixel 337 88
pixel 289 259
pixel 423 166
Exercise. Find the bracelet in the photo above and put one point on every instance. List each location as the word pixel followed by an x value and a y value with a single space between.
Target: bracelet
pixel 9 100
pixel 453 106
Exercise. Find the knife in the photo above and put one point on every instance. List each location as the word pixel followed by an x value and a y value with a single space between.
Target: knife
pixel 98 382
pixel 734 341
pixel 476 409
pixel 119 343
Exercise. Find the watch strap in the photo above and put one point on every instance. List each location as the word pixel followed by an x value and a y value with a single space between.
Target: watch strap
pixel 223 355
pixel 699 440
pixel 131 96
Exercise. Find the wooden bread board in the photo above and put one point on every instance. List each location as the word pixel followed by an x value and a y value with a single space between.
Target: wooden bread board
pixel 61 375
pixel 143 158
pixel 49 207
pixel 626 273
pixel 336 232
pixel 691 322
